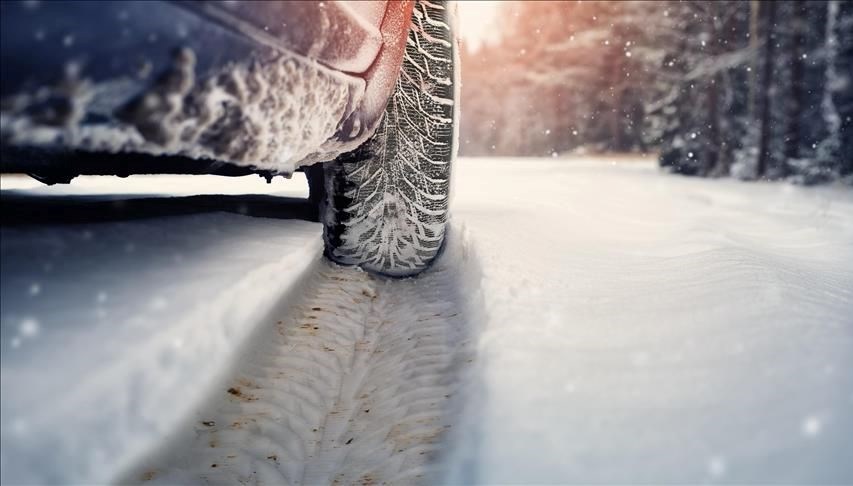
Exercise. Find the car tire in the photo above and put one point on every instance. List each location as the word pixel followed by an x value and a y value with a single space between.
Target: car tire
pixel 386 203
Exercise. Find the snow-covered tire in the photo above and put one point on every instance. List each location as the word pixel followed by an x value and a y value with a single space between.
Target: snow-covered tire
pixel 387 202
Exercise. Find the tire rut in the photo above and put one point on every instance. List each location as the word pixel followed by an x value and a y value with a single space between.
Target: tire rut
pixel 350 387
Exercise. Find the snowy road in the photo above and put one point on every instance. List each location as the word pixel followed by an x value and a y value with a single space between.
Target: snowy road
pixel 351 386
pixel 645 328
pixel 589 322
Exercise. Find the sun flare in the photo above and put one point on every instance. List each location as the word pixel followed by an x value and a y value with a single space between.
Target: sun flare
pixel 478 21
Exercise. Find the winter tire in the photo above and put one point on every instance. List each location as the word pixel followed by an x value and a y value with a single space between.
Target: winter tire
pixel 387 202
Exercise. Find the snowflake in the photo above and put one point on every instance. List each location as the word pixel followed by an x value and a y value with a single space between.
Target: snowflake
pixel 29 327
pixel 717 466
pixel 811 426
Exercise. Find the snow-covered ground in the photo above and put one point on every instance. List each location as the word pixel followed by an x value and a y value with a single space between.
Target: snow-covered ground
pixel 628 327
pixel 649 328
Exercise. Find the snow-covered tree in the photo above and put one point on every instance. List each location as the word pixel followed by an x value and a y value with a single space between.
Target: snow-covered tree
pixel 752 89
pixel 837 103
pixel 701 80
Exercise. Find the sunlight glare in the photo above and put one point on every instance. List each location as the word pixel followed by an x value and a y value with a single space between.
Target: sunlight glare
pixel 478 22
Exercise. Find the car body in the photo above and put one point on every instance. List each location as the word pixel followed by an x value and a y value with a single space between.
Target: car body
pixel 262 87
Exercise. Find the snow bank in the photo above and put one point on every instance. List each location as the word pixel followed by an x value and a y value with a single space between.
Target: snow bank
pixel 642 328
pixel 112 332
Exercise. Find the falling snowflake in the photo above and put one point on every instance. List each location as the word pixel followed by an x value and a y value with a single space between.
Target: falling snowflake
pixel 717 466
pixel 811 426
pixel 29 328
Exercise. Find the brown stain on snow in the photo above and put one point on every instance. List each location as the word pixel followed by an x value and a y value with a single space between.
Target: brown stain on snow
pixel 239 394
pixel 281 327
pixel 310 328
pixel 238 424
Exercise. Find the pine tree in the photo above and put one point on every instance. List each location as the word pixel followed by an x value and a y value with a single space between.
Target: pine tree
pixel 697 117
pixel 840 83
pixel 767 22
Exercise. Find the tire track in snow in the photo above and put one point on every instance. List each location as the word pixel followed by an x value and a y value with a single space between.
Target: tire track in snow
pixel 351 387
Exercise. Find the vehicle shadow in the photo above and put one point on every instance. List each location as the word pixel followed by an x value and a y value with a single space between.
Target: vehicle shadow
pixel 17 209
